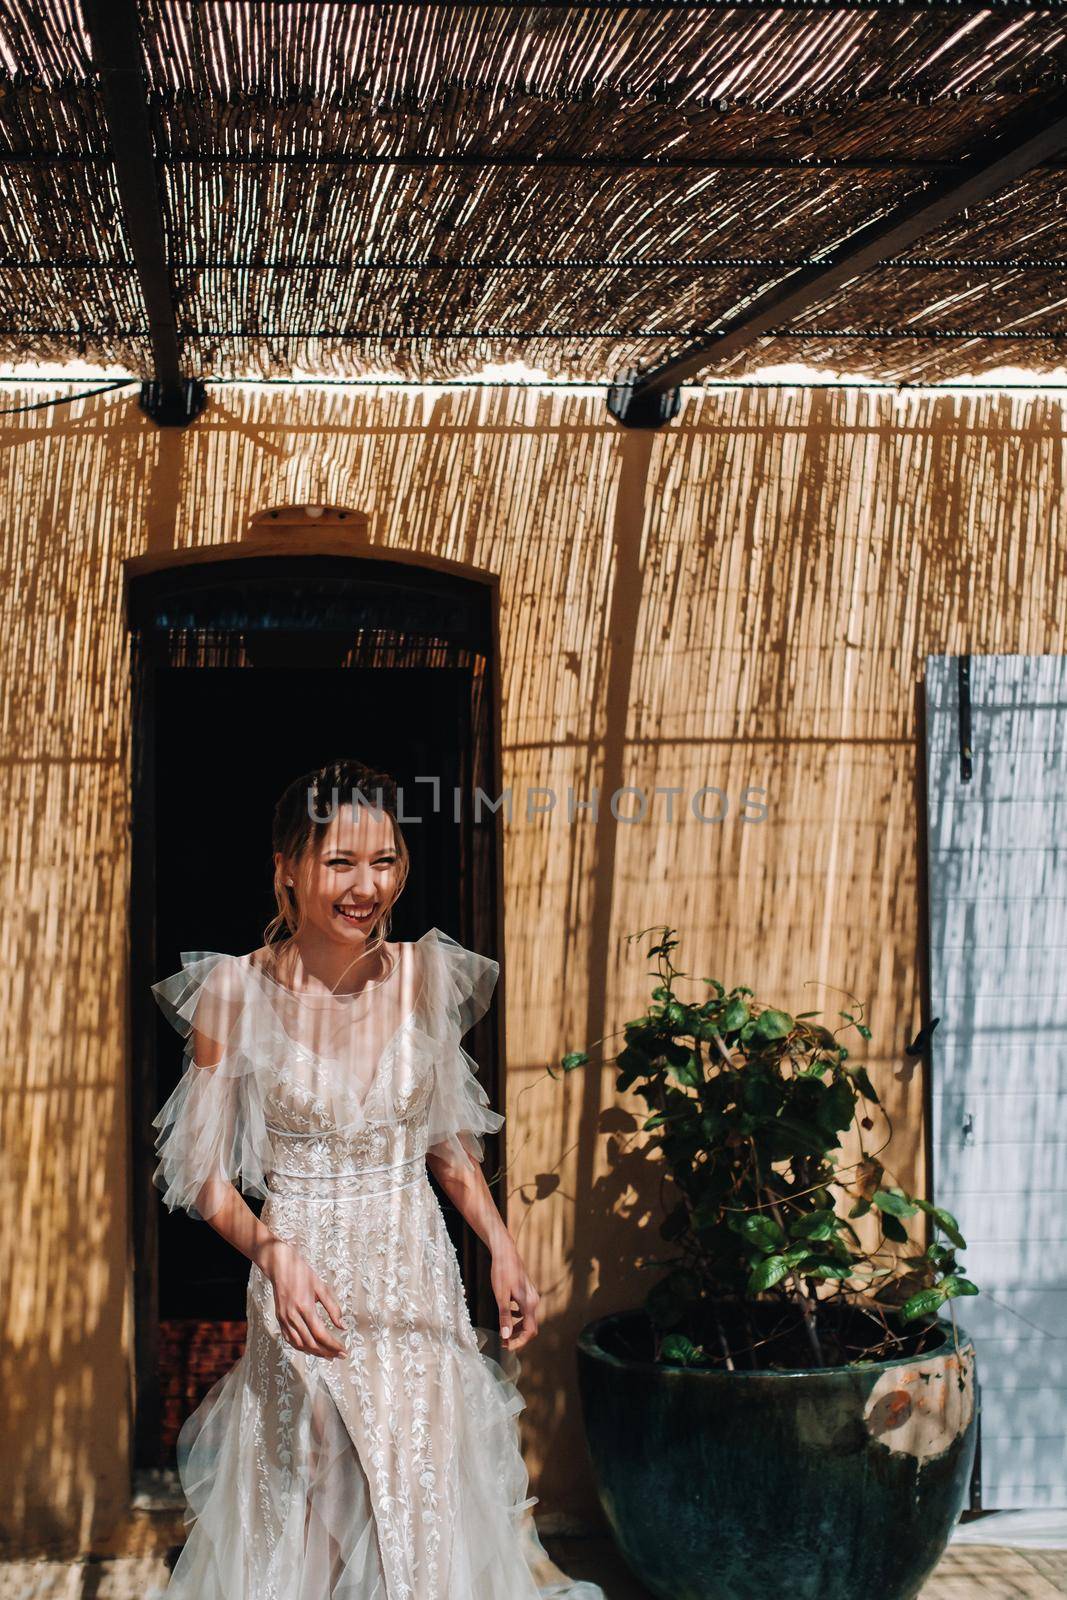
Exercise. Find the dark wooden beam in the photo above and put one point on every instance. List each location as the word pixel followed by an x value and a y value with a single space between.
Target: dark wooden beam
pixel 114 33
pixel 527 160
pixel 719 160
pixel 647 399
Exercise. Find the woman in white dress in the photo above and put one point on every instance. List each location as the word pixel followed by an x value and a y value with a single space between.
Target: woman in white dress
pixel 365 1446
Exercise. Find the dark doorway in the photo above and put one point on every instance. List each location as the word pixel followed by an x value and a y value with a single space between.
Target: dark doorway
pixel 247 673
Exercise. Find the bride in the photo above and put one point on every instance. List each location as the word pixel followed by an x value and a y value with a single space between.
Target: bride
pixel 365 1446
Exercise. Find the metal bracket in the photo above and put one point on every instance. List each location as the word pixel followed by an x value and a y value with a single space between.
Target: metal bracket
pixel 964 675
pixel 629 405
pixel 173 407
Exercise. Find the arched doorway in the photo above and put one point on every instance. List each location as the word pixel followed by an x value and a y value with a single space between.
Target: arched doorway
pixel 246 672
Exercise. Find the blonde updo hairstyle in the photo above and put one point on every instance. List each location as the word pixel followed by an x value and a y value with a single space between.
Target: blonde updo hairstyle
pixel 304 811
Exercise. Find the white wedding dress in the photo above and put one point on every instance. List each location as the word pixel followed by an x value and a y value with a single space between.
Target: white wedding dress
pixel 395 1472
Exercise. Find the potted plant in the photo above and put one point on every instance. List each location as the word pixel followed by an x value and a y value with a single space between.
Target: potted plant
pixel 787 1413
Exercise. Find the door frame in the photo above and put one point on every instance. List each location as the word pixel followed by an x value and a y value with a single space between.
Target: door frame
pixel 480 925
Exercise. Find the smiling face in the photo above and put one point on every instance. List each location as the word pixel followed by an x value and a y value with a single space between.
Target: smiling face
pixel 350 880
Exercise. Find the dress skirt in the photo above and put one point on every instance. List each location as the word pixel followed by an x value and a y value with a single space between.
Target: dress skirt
pixel 393 1473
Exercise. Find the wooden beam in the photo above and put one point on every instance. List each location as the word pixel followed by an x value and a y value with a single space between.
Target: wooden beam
pixel 528 160
pixel 114 33
pixel 642 399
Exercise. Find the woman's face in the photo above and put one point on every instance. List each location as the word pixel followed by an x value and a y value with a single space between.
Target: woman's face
pixel 353 874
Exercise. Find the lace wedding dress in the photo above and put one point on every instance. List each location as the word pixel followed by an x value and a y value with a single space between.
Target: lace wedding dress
pixel 394 1472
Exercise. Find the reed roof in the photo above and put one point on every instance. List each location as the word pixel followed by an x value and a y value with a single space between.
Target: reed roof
pixel 424 189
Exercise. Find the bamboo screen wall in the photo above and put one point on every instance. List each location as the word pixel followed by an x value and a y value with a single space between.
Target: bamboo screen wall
pixel 745 598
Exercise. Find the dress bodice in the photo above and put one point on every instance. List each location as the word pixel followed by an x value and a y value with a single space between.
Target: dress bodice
pixel 300 1092
pixel 384 1141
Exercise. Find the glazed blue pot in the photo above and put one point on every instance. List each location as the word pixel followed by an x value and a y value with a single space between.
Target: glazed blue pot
pixel 830 1483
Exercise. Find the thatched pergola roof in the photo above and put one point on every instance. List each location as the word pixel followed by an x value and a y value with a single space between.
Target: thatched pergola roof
pixel 228 188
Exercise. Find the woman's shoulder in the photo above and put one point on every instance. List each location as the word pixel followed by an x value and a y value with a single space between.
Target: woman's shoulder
pixel 209 983
pixel 463 978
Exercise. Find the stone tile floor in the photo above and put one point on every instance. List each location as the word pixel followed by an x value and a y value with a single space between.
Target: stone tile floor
pixel 965 1573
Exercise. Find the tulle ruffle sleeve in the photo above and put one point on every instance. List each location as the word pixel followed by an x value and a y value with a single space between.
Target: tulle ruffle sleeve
pixel 212 1129
pixel 460 1114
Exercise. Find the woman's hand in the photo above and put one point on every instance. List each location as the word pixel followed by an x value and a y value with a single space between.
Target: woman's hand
pixel 512 1285
pixel 296 1290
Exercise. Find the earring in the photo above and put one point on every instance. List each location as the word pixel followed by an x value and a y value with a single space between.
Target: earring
pixel 289 883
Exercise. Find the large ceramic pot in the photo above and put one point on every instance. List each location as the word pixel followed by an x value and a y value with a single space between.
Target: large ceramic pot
pixel 816 1483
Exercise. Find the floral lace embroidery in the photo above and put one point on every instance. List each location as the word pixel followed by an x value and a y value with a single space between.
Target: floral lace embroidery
pixel 360 1209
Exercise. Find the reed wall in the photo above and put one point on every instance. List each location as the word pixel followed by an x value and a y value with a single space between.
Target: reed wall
pixel 743 599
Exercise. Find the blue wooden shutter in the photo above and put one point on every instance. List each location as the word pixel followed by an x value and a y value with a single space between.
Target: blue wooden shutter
pixel 997 868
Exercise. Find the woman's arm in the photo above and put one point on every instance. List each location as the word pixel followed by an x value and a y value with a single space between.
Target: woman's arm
pixel 467 1189
pixel 296 1286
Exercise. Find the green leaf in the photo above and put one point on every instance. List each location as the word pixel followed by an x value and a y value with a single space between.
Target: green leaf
pixel 683 1064
pixel 733 1016
pixel 767 1273
pixel 949 1227
pixel 895 1202
pixel 632 1059
pixel 837 1106
pixel 945 1221
pixel 893 1229
pixel 772 1024
pixel 816 1225
pixel 711 1126
pixel 636 1027
pixel 814 1069
pixel 574 1058
pixel 861 1208
pixel 862 1081
pixel 707 1213
pixel 922 1304
pixel 760 1095
pixel 680 1351
pixel 955 1286
pixel 762 1231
